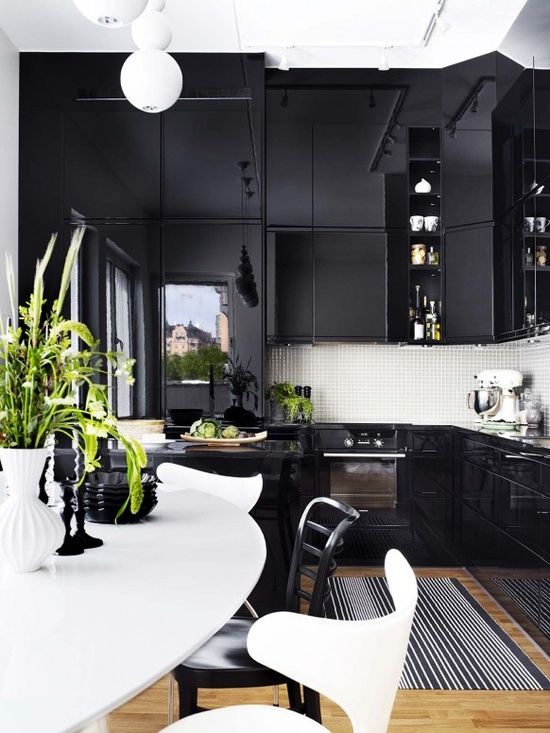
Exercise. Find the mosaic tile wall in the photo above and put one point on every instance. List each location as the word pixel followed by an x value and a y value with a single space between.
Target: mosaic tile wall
pixel 388 383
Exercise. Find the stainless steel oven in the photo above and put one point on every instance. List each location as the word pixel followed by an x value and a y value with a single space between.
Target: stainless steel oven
pixel 362 466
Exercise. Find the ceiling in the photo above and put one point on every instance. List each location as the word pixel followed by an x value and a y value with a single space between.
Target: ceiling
pixel 312 33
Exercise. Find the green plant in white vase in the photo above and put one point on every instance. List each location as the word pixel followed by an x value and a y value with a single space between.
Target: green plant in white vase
pixel 47 388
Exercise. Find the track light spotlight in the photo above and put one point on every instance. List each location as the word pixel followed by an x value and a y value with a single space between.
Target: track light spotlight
pixel 452 132
pixel 372 100
pixel 473 108
pixel 387 152
pixel 383 64
pixel 284 99
pixel 391 140
pixel 397 124
pixel 283 63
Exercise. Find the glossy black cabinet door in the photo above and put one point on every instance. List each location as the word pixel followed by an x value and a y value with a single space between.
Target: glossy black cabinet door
pixel 112 161
pixel 469 284
pixel 350 286
pixel 289 174
pixel 346 193
pixel 289 286
pixel 202 152
pixel 467 177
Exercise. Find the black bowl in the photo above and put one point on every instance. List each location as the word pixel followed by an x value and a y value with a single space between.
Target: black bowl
pixel 185 417
pixel 115 480
pixel 105 514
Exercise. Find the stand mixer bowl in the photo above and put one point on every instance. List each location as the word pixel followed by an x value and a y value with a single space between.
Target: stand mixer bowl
pixel 483 400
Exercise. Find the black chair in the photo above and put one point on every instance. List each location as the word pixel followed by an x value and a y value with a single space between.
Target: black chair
pixel 224 662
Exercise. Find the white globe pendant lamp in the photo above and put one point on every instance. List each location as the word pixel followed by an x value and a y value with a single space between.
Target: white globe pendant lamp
pixel 152 30
pixel 151 80
pixel 111 13
pixel 156 5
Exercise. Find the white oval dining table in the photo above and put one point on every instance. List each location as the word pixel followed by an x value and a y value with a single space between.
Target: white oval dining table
pixel 85 634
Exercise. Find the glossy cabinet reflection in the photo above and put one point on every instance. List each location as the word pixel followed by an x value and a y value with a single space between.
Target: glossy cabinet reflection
pixel 289 283
pixel 289 175
pixel 202 152
pixel 469 284
pixel 111 161
pixel 350 286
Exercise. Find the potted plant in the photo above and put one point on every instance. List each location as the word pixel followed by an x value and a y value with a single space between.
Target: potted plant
pixel 49 387
pixel 287 406
pixel 243 385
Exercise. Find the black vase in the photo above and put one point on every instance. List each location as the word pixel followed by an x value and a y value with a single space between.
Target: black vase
pixel 237 415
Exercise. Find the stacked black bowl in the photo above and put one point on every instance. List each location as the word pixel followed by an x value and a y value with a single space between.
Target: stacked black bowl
pixel 104 493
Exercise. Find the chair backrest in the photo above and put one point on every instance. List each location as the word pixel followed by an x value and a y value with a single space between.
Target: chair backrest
pixel 319 536
pixel 240 491
pixel 357 664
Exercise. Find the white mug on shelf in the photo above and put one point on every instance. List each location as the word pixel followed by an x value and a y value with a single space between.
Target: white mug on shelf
pixel 529 224
pixel 431 223
pixel 417 222
pixel 541 222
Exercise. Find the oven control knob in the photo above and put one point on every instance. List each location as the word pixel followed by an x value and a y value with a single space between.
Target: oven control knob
pixel 378 442
pixel 349 442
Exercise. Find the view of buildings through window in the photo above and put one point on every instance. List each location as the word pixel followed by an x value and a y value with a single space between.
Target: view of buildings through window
pixel 196 330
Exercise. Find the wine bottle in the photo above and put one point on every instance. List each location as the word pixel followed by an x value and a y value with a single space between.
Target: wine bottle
pixel 436 324
pixel 427 320
pixel 418 323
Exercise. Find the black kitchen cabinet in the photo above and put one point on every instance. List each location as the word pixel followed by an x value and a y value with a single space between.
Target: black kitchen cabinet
pixel 289 286
pixel 111 154
pixel 202 152
pixel 346 192
pixel 289 175
pixel 467 177
pixel 431 463
pixel 469 284
pixel 349 286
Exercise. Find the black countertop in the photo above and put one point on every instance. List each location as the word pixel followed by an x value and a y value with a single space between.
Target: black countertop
pixel 274 448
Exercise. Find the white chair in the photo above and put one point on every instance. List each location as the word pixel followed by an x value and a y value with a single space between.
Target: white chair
pixel 242 492
pixel 357 664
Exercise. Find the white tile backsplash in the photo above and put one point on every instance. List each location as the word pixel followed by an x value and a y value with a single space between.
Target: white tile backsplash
pixel 389 383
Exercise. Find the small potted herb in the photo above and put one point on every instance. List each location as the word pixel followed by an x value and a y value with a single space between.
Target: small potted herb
pixel 287 406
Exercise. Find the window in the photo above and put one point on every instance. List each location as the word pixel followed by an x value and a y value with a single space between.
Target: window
pixel 119 330
pixel 197 339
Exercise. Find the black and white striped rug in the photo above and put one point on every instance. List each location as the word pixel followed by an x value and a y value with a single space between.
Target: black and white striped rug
pixel 454 645
pixel 532 596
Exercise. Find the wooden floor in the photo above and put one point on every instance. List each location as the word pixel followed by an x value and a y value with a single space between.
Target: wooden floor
pixel 445 712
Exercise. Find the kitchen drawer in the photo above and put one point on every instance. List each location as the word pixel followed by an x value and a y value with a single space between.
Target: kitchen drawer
pixel 478 489
pixel 545 478
pixel 431 441
pixel 475 539
pixel 525 514
pixel 480 454
pixel 430 474
pixel 520 469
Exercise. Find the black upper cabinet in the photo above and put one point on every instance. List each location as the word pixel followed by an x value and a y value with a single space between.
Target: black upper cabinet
pixel 350 286
pixel 289 285
pixel 467 174
pixel 469 284
pixel 289 174
pixel 112 161
pixel 202 152
pixel 346 192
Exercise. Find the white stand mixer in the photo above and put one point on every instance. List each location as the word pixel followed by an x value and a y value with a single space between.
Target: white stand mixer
pixel 496 399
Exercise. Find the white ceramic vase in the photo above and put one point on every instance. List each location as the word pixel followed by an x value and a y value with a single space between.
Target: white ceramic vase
pixel 29 530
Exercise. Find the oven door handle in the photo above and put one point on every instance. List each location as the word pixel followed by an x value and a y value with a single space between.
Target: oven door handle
pixel 364 455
